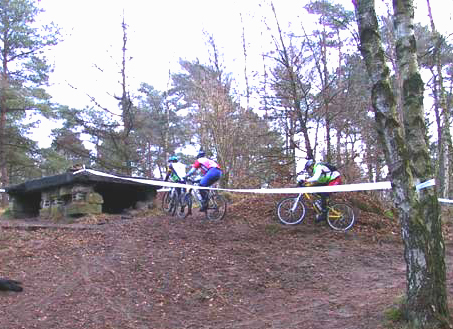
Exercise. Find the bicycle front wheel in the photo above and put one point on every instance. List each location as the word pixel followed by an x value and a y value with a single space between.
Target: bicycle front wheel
pixel 290 213
pixel 217 206
pixel 340 216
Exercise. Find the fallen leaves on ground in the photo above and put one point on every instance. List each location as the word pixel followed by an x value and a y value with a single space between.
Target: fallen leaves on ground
pixel 248 271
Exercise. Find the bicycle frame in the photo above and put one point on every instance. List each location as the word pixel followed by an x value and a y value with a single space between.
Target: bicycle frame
pixel 216 204
pixel 194 194
pixel 309 198
pixel 333 214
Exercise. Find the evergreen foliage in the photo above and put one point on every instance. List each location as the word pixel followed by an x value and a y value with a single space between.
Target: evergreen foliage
pixel 24 73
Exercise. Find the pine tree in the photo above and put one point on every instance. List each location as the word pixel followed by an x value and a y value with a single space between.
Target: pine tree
pixel 23 71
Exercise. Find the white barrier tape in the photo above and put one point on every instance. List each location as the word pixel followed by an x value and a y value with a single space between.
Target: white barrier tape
pixel 445 200
pixel 311 189
pixel 319 189
pixel 137 180
pixel 426 184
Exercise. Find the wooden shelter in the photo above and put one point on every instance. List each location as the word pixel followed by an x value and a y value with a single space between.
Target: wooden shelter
pixel 79 193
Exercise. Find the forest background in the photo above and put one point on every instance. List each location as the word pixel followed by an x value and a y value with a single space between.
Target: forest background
pixel 298 89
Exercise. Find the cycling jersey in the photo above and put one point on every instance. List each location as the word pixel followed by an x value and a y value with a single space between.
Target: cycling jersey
pixel 176 171
pixel 205 164
pixel 322 174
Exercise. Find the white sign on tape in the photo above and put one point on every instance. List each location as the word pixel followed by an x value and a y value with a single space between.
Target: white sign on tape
pixel 423 185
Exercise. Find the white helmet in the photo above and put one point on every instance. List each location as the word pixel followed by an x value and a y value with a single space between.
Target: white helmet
pixel 309 163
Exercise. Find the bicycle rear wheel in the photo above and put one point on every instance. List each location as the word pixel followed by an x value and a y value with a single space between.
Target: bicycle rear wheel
pixel 166 201
pixel 340 216
pixel 173 204
pixel 184 206
pixel 289 215
pixel 217 206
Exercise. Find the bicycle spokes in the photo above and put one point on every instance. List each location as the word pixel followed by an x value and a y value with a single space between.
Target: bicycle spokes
pixel 290 211
pixel 340 216
pixel 335 214
pixel 216 207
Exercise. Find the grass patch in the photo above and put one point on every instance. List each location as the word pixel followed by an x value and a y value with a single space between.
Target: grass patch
pixel 394 315
pixel 389 214
pixel 5 213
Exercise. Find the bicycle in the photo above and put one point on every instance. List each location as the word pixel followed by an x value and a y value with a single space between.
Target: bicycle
pixel 217 204
pixel 292 211
pixel 170 201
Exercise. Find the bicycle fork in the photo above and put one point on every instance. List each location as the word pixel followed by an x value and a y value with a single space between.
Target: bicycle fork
pixel 294 207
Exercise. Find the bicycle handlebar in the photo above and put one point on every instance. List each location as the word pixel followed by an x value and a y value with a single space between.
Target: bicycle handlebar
pixel 193 181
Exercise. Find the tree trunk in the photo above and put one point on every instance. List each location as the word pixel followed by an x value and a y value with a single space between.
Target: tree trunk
pixel 246 77
pixel 3 167
pixel 325 93
pixel 445 141
pixel 409 163
pixel 4 177
pixel 294 97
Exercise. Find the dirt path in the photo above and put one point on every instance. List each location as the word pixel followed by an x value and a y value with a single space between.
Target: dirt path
pixel 161 272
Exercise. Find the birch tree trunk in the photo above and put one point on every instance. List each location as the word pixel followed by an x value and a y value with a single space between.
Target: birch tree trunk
pixel 445 136
pixel 409 163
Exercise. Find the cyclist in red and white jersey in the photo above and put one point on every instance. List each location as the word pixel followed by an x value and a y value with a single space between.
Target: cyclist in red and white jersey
pixel 211 173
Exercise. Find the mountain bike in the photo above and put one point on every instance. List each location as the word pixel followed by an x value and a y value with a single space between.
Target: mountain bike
pixel 217 204
pixel 292 211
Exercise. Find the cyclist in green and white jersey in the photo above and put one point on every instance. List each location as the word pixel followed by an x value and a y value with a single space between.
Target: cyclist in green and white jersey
pixel 175 172
pixel 323 174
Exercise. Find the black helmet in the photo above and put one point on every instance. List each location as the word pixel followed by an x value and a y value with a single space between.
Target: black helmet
pixel 200 154
pixel 309 163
